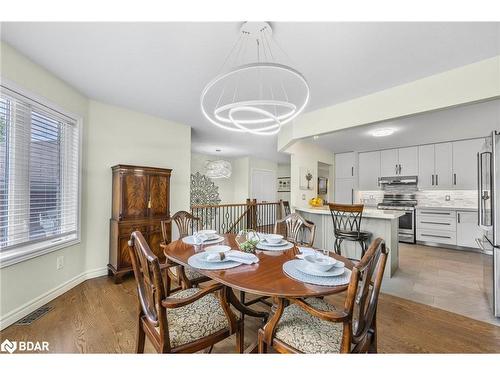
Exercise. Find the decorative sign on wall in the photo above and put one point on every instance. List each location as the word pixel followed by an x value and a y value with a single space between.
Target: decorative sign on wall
pixel 283 184
pixel 203 190
pixel 305 181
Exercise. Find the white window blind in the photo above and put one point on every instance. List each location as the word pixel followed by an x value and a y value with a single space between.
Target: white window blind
pixel 39 176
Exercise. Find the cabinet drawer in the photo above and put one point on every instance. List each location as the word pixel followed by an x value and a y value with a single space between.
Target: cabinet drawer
pixel 126 230
pixel 436 222
pixel 438 236
pixel 436 213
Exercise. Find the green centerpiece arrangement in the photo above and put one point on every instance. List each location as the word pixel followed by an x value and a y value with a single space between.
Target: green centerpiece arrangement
pixel 247 240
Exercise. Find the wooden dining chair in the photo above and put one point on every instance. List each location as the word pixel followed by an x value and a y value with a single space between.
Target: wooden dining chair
pixel 186 322
pixel 315 326
pixel 296 229
pixel 184 277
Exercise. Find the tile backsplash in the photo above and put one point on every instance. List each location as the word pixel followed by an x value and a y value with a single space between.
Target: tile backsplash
pixel 437 198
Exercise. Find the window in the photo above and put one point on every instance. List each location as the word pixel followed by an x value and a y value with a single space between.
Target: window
pixel 39 178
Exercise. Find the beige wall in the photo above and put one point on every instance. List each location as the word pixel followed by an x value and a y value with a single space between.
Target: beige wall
pixel 306 155
pixel 225 185
pixel 111 135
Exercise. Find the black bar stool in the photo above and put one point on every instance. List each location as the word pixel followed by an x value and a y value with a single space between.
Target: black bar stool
pixel 347 226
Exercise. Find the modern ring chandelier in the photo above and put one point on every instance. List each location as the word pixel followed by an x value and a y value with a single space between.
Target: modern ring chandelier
pixel 255 92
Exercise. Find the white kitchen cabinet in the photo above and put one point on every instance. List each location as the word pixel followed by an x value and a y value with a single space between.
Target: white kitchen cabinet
pixel 443 162
pixel 389 162
pixel 435 166
pixel 467 229
pixel 465 163
pixel 408 161
pixel 344 190
pixel 344 165
pixel 426 167
pixel 369 170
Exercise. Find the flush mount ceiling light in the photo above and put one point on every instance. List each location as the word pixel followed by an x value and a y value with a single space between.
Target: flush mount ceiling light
pixel 218 169
pixel 383 132
pixel 255 92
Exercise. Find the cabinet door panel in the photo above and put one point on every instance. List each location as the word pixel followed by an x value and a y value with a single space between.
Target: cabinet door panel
pixel 158 195
pixel 465 163
pixel 154 240
pixel 135 197
pixel 443 165
pixel 344 165
pixel 388 162
pixel 467 229
pixel 344 190
pixel 408 159
pixel 426 167
pixel 369 170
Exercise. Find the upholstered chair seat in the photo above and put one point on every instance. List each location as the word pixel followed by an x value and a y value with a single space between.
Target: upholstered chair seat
pixel 196 320
pixel 307 333
pixel 190 273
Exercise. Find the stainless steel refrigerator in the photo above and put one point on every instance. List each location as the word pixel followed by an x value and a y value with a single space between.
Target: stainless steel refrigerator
pixel 488 179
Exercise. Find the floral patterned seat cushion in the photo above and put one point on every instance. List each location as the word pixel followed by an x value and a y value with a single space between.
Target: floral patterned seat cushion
pixel 307 333
pixel 191 274
pixel 196 320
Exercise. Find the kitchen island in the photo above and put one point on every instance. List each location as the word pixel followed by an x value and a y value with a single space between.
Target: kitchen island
pixel 381 223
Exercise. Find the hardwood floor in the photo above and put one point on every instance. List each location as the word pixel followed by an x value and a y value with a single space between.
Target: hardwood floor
pixel 451 280
pixel 99 316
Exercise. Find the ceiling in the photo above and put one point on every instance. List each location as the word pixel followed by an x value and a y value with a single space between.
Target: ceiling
pixel 161 68
pixel 469 121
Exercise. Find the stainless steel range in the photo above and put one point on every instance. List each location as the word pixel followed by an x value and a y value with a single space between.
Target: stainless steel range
pixel 400 194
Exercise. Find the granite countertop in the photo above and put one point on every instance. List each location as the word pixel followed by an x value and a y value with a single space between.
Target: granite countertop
pixel 371 213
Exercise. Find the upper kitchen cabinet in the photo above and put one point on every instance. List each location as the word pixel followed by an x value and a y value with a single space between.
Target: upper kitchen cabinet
pixel 465 163
pixel 344 165
pixel 408 161
pixel 434 166
pixel 369 170
pixel 399 162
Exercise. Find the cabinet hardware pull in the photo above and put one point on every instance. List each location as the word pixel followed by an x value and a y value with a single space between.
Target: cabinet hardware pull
pixel 352 171
pixel 433 235
pixel 454 178
pixel 432 180
pixel 149 203
pixel 396 168
pixel 458 217
pixel 433 222
pixel 437 183
pixel 434 213
pixel 399 168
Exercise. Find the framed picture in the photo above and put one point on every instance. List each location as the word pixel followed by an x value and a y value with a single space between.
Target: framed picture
pixel 305 179
pixel 283 184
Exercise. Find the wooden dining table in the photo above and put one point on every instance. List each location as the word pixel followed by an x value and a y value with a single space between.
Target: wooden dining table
pixel 265 278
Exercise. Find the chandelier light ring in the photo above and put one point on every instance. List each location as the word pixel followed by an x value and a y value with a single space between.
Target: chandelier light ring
pixel 217 119
pixel 256 104
pixel 266 130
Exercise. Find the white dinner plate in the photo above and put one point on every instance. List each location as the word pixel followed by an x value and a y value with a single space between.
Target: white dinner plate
pixel 217 249
pixel 306 268
pixel 291 270
pixel 266 247
pixel 196 261
pixel 267 243
pixel 190 240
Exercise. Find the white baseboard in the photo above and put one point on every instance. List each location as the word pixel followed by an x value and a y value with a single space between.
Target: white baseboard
pixel 13 316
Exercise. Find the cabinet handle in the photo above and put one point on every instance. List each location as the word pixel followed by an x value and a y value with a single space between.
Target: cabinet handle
pixel 458 217
pixel 432 180
pixel 433 235
pixel 396 169
pixel 437 183
pixel 352 171
pixel 352 196
pixel 454 178
pixel 434 222
pixel 149 203
pixel 399 168
pixel 434 213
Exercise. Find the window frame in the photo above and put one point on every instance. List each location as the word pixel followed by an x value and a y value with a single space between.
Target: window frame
pixel 45 246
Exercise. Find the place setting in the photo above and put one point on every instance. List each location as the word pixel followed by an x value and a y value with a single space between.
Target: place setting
pixel 219 257
pixel 273 242
pixel 313 267
pixel 203 237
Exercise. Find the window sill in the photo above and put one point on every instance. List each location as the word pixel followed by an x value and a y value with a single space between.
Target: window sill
pixel 11 257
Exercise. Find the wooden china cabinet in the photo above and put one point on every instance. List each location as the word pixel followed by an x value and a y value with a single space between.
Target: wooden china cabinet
pixel 141 200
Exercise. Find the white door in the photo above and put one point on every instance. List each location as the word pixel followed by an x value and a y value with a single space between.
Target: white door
pixel 426 167
pixel 408 160
pixel 344 190
pixel 369 170
pixel 465 163
pixel 388 162
pixel 467 228
pixel 263 185
pixel 443 159
pixel 344 165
